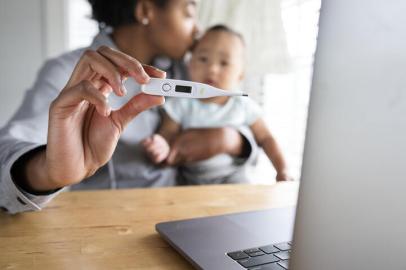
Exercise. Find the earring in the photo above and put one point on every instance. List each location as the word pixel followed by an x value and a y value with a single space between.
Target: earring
pixel 145 21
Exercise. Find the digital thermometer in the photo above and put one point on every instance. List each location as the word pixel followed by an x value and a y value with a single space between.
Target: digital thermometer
pixel 184 89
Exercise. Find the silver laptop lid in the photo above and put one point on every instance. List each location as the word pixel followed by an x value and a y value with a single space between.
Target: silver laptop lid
pixel 352 203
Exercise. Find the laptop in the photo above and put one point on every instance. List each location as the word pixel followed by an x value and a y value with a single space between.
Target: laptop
pixel 351 211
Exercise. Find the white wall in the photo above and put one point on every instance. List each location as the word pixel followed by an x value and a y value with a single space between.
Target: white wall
pixel 30 32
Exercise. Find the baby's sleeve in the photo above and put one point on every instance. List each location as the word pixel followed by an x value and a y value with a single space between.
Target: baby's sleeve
pixel 252 111
pixel 174 107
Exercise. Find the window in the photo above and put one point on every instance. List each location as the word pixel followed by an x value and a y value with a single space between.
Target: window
pixel 81 28
pixel 286 96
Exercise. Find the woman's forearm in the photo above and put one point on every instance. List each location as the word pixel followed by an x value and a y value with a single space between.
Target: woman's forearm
pixel 30 172
pixel 200 144
pixel 36 176
pixel 232 142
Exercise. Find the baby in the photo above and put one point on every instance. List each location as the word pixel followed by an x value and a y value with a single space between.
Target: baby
pixel 217 59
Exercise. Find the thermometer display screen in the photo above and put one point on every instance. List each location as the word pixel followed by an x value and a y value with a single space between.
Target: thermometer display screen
pixel 183 89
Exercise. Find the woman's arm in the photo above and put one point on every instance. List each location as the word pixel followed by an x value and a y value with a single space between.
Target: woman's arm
pixel 200 144
pixel 82 130
pixel 264 138
pixel 169 129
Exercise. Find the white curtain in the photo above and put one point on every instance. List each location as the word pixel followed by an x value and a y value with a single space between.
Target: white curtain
pixel 281 39
pixel 260 22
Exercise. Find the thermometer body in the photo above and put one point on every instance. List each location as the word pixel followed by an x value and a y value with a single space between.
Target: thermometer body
pixel 184 89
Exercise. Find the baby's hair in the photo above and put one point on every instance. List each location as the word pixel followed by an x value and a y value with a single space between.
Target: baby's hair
pixel 225 28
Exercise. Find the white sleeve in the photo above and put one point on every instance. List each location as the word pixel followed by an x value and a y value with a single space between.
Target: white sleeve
pixel 12 198
pixel 28 130
pixel 252 111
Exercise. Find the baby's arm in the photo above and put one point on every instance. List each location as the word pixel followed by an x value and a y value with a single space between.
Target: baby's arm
pixel 265 139
pixel 157 147
pixel 169 128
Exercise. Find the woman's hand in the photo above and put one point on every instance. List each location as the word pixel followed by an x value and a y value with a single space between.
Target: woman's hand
pixel 83 131
pixel 200 144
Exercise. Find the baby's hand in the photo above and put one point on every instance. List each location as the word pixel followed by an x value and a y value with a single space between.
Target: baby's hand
pixel 156 148
pixel 283 176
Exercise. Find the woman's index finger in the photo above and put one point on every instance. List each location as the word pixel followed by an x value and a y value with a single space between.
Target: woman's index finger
pixel 125 62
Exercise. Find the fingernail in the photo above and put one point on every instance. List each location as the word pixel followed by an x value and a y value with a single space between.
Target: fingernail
pixel 153 67
pixel 122 86
pixel 123 90
pixel 108 111
pixel 157 69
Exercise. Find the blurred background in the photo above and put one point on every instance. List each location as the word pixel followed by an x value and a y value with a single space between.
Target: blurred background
pixel 280 35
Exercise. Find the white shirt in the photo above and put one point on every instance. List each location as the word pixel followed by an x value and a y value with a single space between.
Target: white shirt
pixel 237 112
pixel 192 113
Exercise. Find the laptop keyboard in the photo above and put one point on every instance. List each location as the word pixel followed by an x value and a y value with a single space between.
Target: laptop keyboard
pixel 272 257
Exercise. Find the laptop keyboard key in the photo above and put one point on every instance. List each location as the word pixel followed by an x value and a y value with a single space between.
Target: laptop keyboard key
pixel 283 246
pixel 269 249
pixel 255 254
pixel 272 266
pixel 238 255
pixel 255 261
pixel 283 255
pixel 251 250
pixel 284 264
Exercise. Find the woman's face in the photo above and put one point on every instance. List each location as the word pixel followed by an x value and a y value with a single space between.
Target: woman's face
pixel 174 28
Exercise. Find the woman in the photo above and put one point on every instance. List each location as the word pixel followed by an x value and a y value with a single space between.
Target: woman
pixel 63 134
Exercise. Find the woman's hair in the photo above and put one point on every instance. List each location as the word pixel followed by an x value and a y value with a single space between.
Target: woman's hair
pixel 117 13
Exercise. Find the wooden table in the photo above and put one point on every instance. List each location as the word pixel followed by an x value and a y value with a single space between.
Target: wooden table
pixel 116 229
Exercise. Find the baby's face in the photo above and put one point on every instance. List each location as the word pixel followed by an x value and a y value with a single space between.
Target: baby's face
pixel 218 60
